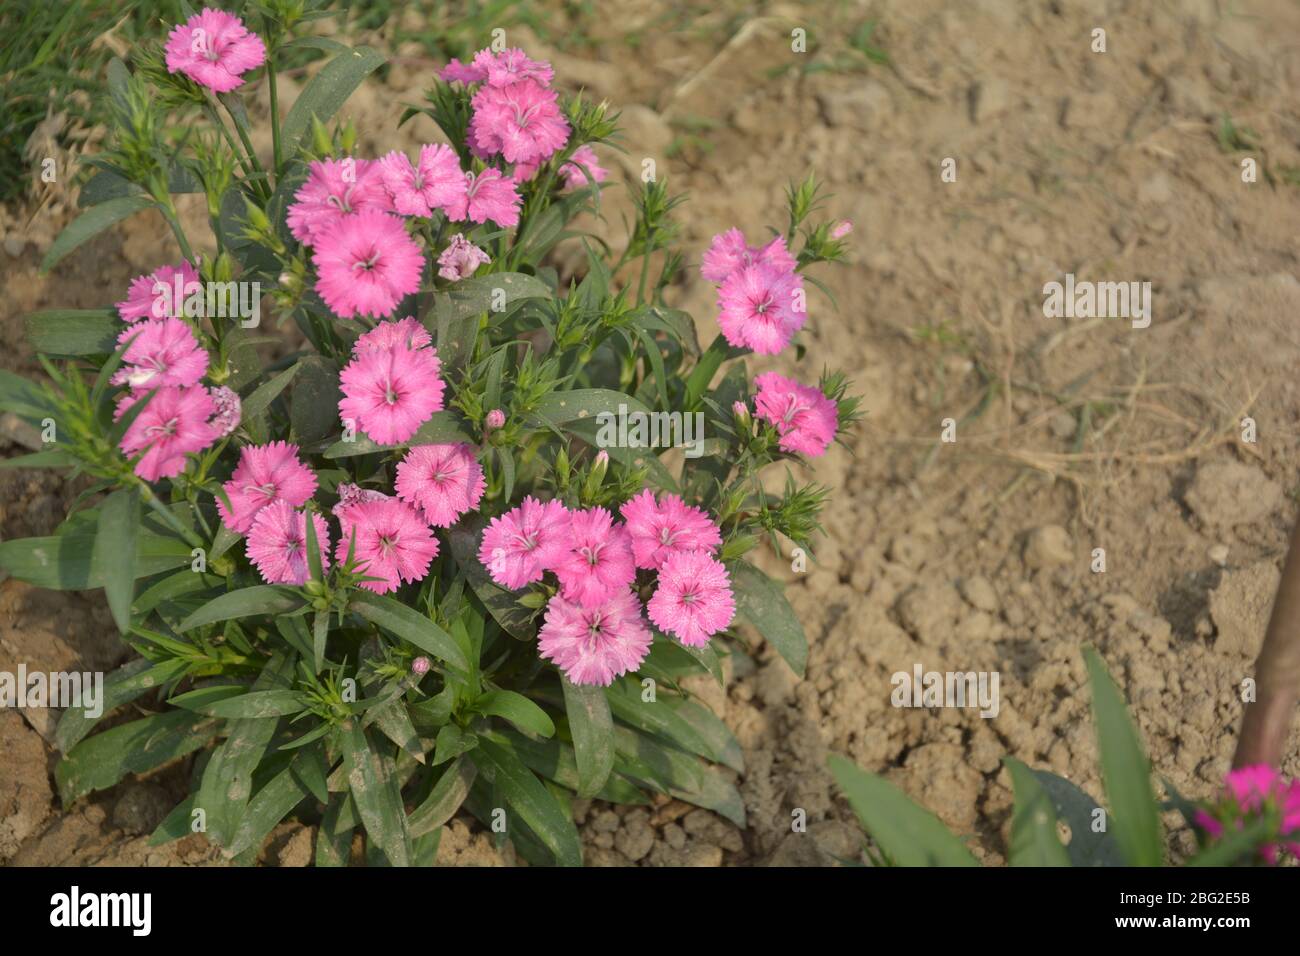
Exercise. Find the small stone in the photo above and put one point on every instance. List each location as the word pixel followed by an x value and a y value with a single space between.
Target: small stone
pixel 979 593
pixel 1228 493
pixel 606 821
pixel 1218 553
pixel 864 106
pixel 674 836
pixel 140 808
pixel 1048 546
pixel 989 98
pixel 14 246
pixel 1063 425
pixel 636 839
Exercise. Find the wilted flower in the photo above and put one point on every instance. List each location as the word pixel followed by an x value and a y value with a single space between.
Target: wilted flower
pixel 460 259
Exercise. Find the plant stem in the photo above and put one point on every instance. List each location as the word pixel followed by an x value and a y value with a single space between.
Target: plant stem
pixel 275 116
pixel 169 213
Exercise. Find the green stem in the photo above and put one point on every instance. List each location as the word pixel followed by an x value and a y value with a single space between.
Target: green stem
pixel 165 513
pixel 275 116
pixel 169 213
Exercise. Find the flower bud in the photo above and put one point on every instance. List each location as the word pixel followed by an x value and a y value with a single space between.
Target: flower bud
pixel 495 419
pixel 841 229
pixel 744 421
pixel 420 666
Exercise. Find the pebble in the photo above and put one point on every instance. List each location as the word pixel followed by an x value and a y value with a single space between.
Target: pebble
pixel 1047 546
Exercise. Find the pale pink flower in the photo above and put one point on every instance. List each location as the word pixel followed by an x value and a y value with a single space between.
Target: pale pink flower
pixel 366 264
pixel 693 600
pixel 161 353
pixel 407 333
pixel 420 666
pixel 277 543
pixel 229 410
pixel 841 229
pixel 582 169
pixel 761 308
pixel 158 295
pixel 522 121
pixel 265 474
pixel 464 73
pixel 393 543
pixel 511 66
pixel 390 394
pixel 351 494
pixel 805 418
pixel 729 253
pixel 522 173
pixel 444 481
pixel 594 645
pixel 494 419
pixel 214 50
pixel 599 560
pixel 661 529
pixel 521 545
pixel 334 190
pixel 173 425
pixel 461 259
pixel 434 182
pixel 489 195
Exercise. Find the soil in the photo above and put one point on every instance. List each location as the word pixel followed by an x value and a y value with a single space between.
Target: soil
pixel 979 554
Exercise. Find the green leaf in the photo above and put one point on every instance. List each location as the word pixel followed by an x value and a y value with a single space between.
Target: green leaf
pixel 517 709
pixel 374 787
pixel 326 93
pixel 445 799
pixel 410 625
pixel 314 411
pixel 1079 812
pixel 137 747
pixel 73 331
pixel 592 728
pixel 92 222
pixel 124 684
pixel 715 793
pixel 689 727
pixel 255 704
pixel 759 601
pixel 395 724
pixel 503 605
pixel 113 558
pixel 451 743
pixel 528 797
pixel 259 599
pixel 109 184
pixel 40 459
pixel 910 835
pixel 272 804
pixel 444 428
pixel 1033 826
pixel 1125 771
pixel 253 409
pixel 65 562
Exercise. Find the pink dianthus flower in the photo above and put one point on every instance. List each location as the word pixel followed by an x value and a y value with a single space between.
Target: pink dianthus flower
pixel 729 253
pixel 693 600
pixel 156 296
pixel 214 49
pixel 366 264
pixel 277 543
pixel 599 560
pixel 334 190
pixel 805 418
pixel 435 181
pixel 389 394
pixel 593 645
pixel 444 481
pixel 761 308
pixel 661 529
pixel 265 474
pixel 161 353
pixel 522 121
pixel 393 543
pixel 173 425
pixel 521 545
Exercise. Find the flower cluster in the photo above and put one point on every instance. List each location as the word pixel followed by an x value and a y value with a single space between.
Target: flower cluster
pixel 595 627
pixel 1254 793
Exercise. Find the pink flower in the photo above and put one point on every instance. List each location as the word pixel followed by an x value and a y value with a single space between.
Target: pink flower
pixel 841 229
pixel 463 73
pixel 435 182
pixel 407 333
pixel 420 666
pixel 660 530
pixel 366 264
pixel 265 474
pixel 461 259
pixel 694 600
pixel 761 308
pixel 582 169
pixel 390 394
pixel 163 352
pixel 1249 793
pixel 277 543
pixel 392 543
pixel 494 419
pixel 595 645
pixel 444 481
pixel 526 541
pixel 805 419
pixel 728 253
pixel 522 173
pixel 214 49
pixel 599 560
pixel 511 66
pixel 174 424
pixel 157 296
pixel 229 410
pixel 489 195
pixel 335 189
pixel 521 121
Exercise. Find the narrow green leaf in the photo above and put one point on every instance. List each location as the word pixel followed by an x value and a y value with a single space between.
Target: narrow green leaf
pixel 114 556
pixel 445 799
pixel 592 728
pixel 73 331
pixel 759 601
pixel 259 599
pixel 374 787
pixel 136 747
pixel 410 625
pixel 517 709
pixel 326 93
pixel 528 797
pixel 1033 826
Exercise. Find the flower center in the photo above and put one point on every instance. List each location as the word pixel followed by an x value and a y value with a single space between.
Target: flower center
pixel 167 428
pixel 666 536
pixel 591 554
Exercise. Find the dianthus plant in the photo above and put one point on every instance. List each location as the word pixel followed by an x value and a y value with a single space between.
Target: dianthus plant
pixel 450 529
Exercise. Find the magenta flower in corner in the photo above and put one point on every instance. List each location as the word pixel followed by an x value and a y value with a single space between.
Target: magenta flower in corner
pixel 443 481
pixel 366 264
pixel 1248 794
pixel 761 308
pixel 524 543
pixel 593 645
pixel 460 259
pixel 805 418
pixel 158 295
pixel 434 181
pixel 175 424
pixel 660 529
pixel 161 353
pixel 265 474
pixel 214 49
pixel 393 543
pixel 598 562
pixel 389 394
pixel 693 600
pixel 277 543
